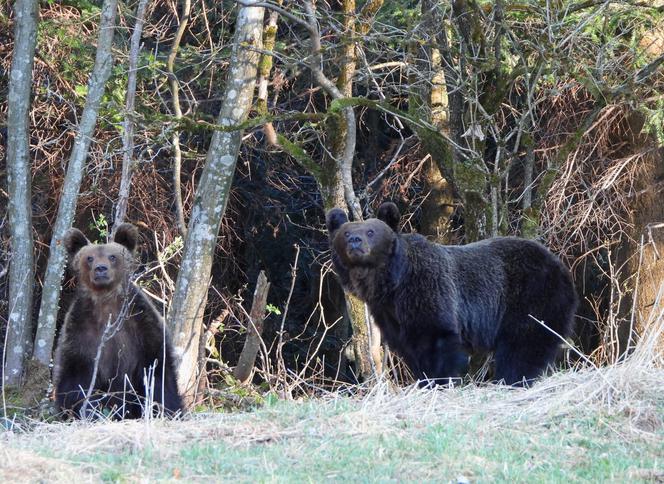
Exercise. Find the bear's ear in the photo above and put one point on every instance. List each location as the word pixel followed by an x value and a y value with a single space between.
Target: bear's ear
pixel 335 218
pixel 126 235
pixel 389 213
pixel 74 241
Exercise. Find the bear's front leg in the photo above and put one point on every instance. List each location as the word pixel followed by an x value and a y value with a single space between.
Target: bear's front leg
pixel 166 392
pixel 441 360
pixel 73 383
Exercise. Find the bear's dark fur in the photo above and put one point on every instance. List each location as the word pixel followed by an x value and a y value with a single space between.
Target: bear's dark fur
pixel 434 304
pixel 139 341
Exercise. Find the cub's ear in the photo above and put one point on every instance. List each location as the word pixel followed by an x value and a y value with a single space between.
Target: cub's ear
pixel 334 219
pixel 74 241
pixel 389 213
pixel 126 235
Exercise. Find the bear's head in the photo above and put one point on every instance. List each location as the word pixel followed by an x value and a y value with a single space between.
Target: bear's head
pixel 369 243
pixel 102 267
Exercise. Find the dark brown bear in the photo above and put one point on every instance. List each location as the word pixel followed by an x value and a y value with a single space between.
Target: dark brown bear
pixel 136 348
pixel 435 304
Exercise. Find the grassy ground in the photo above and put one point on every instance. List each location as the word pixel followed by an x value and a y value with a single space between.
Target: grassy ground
pixel 584 426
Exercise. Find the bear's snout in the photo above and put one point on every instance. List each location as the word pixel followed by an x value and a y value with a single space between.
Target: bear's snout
pixel 101 270
pixel 355 244
pixel 354 241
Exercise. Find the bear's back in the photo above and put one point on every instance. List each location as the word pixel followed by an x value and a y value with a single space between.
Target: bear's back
pixel 478 282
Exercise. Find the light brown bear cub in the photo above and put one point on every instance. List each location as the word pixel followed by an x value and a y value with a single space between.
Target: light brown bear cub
pixel 111 313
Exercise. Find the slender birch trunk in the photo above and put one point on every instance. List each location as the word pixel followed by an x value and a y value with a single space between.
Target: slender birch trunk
pixel 177 110
pixel 185 317
pixel 128 162
pixel 21 271
pixel 48 311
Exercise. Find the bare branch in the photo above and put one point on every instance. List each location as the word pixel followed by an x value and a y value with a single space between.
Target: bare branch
pixel 128 162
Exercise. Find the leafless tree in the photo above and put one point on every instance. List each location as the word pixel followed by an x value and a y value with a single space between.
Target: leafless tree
pixel 177 111
pixel 48 311
pixel 21 279
pixel 334 173
pixel 185 316
pixel 128 161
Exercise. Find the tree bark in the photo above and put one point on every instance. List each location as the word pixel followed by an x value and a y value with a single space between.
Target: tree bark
pixel 101 71
pixel 343 129
pixel 645 270
pixel 366 336
pixel 185 317
pixel 245 363
pixel 177 110
pixel 128 162
pixel 431 103
pixel 21 272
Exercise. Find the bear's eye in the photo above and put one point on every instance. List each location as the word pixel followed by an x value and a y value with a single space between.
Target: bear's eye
pixel 370 233
pixel 346 234
pixel 111 258
pixel 90 259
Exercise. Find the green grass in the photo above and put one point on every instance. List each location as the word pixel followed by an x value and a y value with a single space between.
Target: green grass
pixel 418 436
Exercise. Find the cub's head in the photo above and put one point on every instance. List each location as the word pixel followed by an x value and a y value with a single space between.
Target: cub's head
pixel 369 243
pixel 102 267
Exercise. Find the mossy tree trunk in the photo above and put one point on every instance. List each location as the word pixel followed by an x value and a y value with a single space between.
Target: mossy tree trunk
pixel 366 336
pixel 457 168
pixel 340 136
pixel 264 70
pixel 473 79
pixel 334 173
pixel 431 104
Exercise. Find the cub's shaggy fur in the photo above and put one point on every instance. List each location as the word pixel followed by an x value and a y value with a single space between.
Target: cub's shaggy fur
pixel 434 304
pixel 135 345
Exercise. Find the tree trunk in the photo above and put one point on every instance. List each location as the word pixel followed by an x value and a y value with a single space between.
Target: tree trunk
pixel 252 343
pixel 334 174
pixel 177 110
pixel 366 336
pixel 128 162
pixel 337 169
pixel 269 40
pixel 21 272
pixel 264 69
pixel 343 130
pixel 101 71
pixel 438 207
pixel 645 274
pixel 185 317
pixel 431 104
pixel 463 168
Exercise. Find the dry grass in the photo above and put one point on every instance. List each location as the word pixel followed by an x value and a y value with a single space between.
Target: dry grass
pixel 585 414
pixel 628 396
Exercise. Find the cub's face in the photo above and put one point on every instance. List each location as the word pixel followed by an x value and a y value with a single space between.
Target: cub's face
pixel 102 267
pixel 367 244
